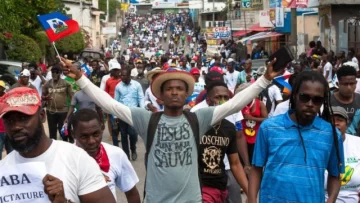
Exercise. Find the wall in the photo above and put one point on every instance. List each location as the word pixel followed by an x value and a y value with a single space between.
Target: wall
pixel 248 18
pixel 337 2
pixel 86 20
pixel 309 26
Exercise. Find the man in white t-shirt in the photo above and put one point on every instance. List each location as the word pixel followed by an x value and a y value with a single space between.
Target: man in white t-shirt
pixel 113 162
pixel 72 175
pixel 231 75
pixel 327 68
pixel 36 79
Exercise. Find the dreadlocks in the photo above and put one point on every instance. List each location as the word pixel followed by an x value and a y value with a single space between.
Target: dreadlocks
pixel 327 110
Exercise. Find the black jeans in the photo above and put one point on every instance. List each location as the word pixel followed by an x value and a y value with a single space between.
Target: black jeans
pixel 125 130
pixel 55 123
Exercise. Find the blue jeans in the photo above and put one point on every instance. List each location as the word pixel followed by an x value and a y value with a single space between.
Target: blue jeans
pixel 4 142
pixel 125 130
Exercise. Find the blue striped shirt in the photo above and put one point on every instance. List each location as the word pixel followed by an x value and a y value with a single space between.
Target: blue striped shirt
pixel 287 177
pixel 130 95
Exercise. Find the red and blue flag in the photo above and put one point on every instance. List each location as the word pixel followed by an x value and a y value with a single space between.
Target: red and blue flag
pixel 58 25
pixel 283 81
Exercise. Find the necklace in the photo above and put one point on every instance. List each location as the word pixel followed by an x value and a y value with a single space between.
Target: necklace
pixel 218 127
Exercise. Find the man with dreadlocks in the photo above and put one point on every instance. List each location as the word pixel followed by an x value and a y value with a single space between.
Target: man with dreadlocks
pixel 293 150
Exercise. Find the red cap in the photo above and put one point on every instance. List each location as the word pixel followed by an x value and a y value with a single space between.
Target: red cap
pixel 21 99
pixel 194 71
pixel 217 69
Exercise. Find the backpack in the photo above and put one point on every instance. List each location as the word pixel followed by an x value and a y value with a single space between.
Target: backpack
pixel 153 123
pixel 265 98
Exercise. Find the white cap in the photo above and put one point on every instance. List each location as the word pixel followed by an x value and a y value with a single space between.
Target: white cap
pixel 230 60
pixel 25 73
pixel 113 64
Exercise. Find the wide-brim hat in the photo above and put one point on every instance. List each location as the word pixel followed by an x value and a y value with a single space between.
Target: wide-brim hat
pixel 151 73
pixel 172 74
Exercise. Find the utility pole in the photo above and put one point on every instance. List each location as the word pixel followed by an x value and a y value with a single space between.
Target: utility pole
pixel 213 13
pixel 107 11
pixel 293 37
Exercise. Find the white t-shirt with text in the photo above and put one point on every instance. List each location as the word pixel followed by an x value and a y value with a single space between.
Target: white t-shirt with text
pixel 79 172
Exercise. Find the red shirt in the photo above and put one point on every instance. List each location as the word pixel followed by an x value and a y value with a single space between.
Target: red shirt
pixel 2 126
pixel 251 127
pixel 111 85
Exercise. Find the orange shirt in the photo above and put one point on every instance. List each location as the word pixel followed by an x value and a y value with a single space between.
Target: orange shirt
pixel 111 85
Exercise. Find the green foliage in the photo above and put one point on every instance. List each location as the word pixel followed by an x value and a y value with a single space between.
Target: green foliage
pixel 113 6
pixel 20 16
pixel 43 41
pixel 22 48
pixel 71 44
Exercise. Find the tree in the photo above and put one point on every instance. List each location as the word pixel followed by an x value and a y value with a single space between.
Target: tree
pixel 113 6
pixel 74 43
pixel 20 16
pixel 22 48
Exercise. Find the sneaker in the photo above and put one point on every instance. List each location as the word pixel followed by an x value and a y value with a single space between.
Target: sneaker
pixel 134 156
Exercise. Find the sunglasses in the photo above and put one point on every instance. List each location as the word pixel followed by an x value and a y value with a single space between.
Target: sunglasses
pixel 305 98
pixel 55 71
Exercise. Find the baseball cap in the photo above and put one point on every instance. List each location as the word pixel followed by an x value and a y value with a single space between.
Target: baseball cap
pixel 338 110
pixel 230 60
pixel 213 76
pixel 217 69
pixel 2 84
pixel 113 64
pixel 25 73
pixel 21 99
pixel 194 71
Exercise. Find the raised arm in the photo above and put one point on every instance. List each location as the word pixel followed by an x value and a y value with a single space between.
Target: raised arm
pixel 100 97
pixel 240 100
pixel 243 98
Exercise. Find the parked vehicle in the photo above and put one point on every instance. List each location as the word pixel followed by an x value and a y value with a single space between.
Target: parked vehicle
pixel 9 71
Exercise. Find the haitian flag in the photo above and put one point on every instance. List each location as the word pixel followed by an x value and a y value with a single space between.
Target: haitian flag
pixel 57 25
pixel 283 82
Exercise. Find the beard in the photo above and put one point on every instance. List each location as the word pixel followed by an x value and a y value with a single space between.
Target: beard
pixel 32 142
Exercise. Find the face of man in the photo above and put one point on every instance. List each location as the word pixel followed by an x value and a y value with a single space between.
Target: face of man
pixel 340 123
pixel 248 65
pixel 174 94
pixel 55 74
pixel 140 69
pixel 308 101
pixel 24 80
pixel 218 95
pixel 324 57
pixel 347 85
pixel 94 64
pixel 88 135
pixel 125 76
pixel 230 67
pixel 24 131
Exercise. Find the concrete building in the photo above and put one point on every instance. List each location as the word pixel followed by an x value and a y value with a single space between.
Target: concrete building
pixel 86 13
pixel 339 23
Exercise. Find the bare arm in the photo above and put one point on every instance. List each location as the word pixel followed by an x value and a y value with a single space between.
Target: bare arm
pixel 238 171
pixel 102 195
pixel 133 196
pixel 254 183
pixel 71 110
pixel 242 147
pixel 333 187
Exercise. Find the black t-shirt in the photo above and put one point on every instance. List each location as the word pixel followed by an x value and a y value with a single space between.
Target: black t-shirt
pixel 212 152
pixel 96 77
pixel 350 108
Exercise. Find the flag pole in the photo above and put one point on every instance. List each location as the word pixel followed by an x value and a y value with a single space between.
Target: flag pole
pixel 53 43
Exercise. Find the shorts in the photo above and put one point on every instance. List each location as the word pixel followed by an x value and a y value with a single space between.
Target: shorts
pixel 213 195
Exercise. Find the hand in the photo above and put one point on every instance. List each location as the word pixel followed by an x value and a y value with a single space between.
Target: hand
pixel 54 188
pixel 69 70
pixel 247 169
pixel 37 72
pixel 66 120
pixel 270 73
